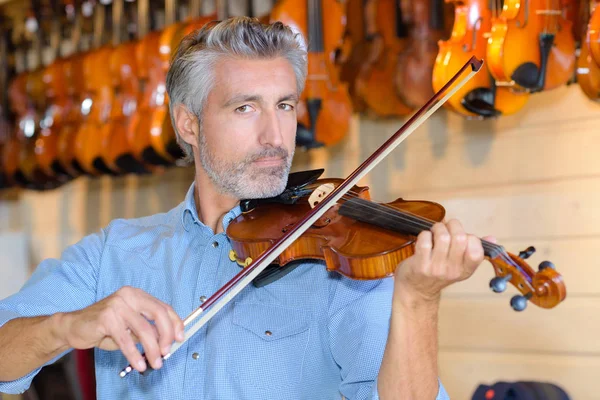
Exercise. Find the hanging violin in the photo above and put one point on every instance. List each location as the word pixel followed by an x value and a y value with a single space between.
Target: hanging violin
pixel 593 32
pixel 356 237
pixel 325 107
pixel 480 97
pixel 531 45
pixel 386 37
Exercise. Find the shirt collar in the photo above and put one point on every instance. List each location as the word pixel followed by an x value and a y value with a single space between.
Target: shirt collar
pixel 189 215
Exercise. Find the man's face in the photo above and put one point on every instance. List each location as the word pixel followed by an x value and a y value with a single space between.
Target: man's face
pixel 248 130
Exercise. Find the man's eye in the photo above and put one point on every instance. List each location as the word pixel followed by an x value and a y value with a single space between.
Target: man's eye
pixel 243 109
pixel 286 107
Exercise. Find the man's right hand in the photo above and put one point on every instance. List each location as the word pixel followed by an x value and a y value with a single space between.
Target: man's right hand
pixel 121 320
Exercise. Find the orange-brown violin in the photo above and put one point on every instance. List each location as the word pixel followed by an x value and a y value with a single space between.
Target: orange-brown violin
pixel 325 107
pixel 363 239
pixel 531 46
pixel 480 97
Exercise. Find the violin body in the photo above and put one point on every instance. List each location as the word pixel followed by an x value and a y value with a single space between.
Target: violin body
pixel 546 47
pixel 593 33
pixel 46 146
pixel 325 106
pixel 377 70
pixel 153 95
pixel 353 248
pixel 415 65
pixel 479 97
pixel 354 50
pixel 163 138
pixel 116 149
pixel 30 174
pixel 88 143
pixel 588 74
pixel 73 71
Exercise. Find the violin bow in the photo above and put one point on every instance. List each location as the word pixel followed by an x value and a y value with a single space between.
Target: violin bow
pixel 226 293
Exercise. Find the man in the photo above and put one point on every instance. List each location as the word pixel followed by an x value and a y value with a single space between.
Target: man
pixel 233 87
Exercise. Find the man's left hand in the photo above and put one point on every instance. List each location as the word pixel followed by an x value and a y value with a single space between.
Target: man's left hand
pixel 443 255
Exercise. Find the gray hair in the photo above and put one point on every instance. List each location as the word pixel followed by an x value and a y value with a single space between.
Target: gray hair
pixel 191 74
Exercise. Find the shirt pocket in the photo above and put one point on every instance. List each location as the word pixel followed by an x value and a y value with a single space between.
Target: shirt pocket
pixel 270 345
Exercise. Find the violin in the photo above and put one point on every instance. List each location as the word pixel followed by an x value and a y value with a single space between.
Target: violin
pixel 46 146
pixel 116 149
pixel 480 97
pixel 385 38
pixel 76 104
pixel 335 220
pixel 588 70
pixel 364 240
pixel 325 107
pixel 593 32
pixel 163 139
pixel 531 45
pixel 55 114
pixel 17 94
pixel 415 65
pixel 100 96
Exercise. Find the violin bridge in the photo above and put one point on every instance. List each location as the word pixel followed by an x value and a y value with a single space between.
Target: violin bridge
pixel 320 193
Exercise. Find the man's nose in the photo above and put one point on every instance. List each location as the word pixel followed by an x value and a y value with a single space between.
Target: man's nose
pixel 270 131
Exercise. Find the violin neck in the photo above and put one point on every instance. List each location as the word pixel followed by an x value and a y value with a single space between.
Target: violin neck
pixel 396 220
pixel 315 27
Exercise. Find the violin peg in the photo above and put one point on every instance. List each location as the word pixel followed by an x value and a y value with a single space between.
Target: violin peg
pixel 545 264
pixel 518 302
pixel 498 284
pixel 527 252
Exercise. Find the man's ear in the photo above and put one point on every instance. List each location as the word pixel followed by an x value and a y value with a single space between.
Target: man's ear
pixel 186 123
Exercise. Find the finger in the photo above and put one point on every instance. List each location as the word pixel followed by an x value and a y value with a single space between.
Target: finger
pixel 458 246
pixel 473 255
pixel 441 246
pixel 147 335
pixel 422 254
pixel 121 336
pixel 157 312
pixel 177 324
pixel 167 321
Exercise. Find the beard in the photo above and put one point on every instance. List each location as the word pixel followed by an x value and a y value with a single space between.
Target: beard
pixel 243 179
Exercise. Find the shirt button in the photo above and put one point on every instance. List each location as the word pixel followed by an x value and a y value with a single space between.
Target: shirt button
pixel 268 333
pixel 202 299
pixel 215 244
pixel 195 356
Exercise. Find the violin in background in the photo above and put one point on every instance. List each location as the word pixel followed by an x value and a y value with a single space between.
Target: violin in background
pixel 588 70
pixel 99 96
pixel 57 99
pixel 386 36
pixel 531 46
pixel 116 149
pixel 17 93
pixel 592 36
pixel 479 97
pixel 325 107
pixel 415 65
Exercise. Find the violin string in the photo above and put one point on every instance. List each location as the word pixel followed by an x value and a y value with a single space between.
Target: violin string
pixel 421 223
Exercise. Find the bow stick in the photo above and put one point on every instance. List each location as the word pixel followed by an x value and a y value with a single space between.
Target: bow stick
pixel 226 293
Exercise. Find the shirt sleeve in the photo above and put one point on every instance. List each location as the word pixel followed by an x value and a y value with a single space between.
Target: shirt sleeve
pixel 57 285
pixel 359 315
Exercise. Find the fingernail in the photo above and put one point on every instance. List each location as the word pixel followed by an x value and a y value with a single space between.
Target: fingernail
pixel 158 362
pixel 180 336
pixel 165 350
pixel 141 365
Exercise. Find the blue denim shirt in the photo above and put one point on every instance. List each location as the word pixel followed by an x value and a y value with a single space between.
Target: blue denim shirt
pixel 327 333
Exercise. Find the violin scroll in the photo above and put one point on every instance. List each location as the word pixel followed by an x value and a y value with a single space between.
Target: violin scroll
pixel 544 288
